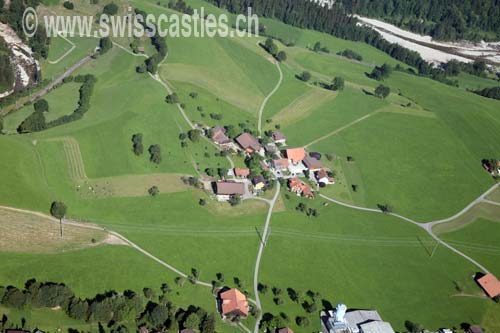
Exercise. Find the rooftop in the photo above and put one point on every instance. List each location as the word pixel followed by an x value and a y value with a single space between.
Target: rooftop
pixel 234 300
pixel 296 154
pixel 247 140
pixel 312 163
pixel 229 188
pixel 490 285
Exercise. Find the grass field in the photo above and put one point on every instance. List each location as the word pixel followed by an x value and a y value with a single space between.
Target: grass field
pixel 359 259
pixel 479 240
pixel 33 234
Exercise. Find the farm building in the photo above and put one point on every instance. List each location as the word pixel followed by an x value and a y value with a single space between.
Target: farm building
pixel 280 164
pixel 279 138
pixel 475 329
pixel 241 172
pixel 285 330
pixel 232 303
pixel 322 177
pixel 219 137
pixel 224 190
pixel 490 284
pixel 296 155
pixel 258 182
pixel 341 320
pixel 300 188
pixel 312 164
pixel 249 143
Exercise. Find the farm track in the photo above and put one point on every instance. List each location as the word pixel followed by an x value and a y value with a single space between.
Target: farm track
pixel 264 102
pixel 429 225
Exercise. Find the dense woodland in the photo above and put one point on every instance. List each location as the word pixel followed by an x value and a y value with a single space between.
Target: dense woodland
pixel 442 19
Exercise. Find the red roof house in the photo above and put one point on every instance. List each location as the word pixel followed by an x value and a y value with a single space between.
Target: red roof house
pixel 280 164
pixel 241 172
pixel 296 154
pixel 490 285
pixel 233 303
pixel 301 188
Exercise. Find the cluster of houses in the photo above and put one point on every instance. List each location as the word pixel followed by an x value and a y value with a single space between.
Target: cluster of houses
pixel 281 162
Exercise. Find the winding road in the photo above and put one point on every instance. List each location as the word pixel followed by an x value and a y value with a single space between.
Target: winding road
pixel 264 102
pixel 259 256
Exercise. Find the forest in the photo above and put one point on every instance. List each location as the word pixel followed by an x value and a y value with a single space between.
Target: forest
pixel 441 19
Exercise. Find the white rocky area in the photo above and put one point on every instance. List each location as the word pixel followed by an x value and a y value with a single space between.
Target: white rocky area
pixel 435 51
pixel 25 65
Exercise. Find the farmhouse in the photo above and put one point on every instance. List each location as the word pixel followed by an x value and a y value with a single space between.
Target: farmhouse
pixel 249 143
pixel 280 164
pixel 271 148
pixel 475 329
pixel 279 138
pixel 296 155
pixel 300 188
pixel 357 321
pixel 490 284
pixel 241 172
pixel 224 190
pixel 219 137
pixel 285 330
pixel 322 177
pixel 258 182
pixel 312 164
pixel 232 303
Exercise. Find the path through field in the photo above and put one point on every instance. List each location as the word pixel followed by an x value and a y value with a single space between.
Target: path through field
pixel 264 102
pixel 429 225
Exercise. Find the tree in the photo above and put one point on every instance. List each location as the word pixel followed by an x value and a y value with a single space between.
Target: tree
pixel 234 200
pixel 154 191
pixel 194 135
pixel 33 123
pixel 317 47
pixel 155 154
pixel 1 125
pixel 14 298
pixel 338 83
pixel 302 321
pixel 385 208
pixel 105 44
pixel 41 105
pixel 281 56
pixel 270 46
pixel 202 202
pixel 192 321
pixel 110 9
pixel 58 210
pixel 172 98
pixel 305 76
pixel 157 315
pixel 382 91
pixel 68 5
pixel 137 146
pixel 208 324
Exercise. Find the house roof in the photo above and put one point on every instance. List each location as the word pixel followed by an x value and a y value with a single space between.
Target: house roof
pixel 376 327
pixel 229 188
pixel 258 179
pixel 298 186
pixel 490 285
pixel 246 140
pixel 475 329
pixel 220 136
pixel 241 172
pixel 285 330
pixel 312 163
pixel 358 317
pixel 271 147
pixel 278 136
pixel 234 300
pixel 293 182
pixel 296 154
pixel 187 330
pixel 322 174
pixel 280 163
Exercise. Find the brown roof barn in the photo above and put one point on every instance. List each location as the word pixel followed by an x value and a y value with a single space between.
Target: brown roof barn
pixel 229 188
pixel 248 142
